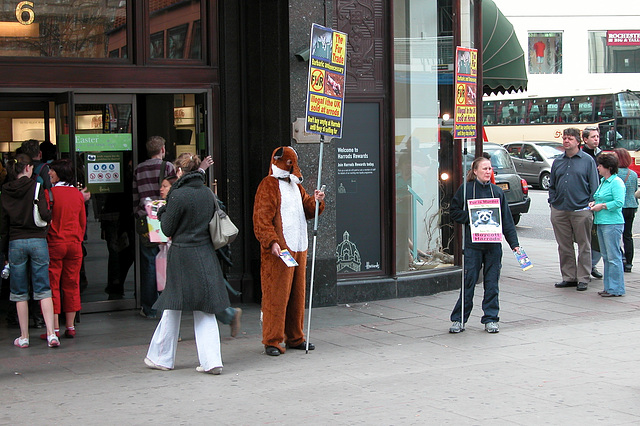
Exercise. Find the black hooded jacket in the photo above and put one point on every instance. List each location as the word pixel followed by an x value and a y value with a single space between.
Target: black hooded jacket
pixel 16 216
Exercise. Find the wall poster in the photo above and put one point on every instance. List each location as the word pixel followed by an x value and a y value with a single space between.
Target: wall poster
pixel 358 217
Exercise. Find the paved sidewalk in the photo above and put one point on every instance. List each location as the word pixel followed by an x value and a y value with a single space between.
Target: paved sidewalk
pixel 561 356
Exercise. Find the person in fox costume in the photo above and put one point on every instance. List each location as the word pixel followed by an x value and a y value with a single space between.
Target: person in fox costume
pixel 280 213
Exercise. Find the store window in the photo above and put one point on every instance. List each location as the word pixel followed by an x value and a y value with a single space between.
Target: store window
pixel 614 51
pixel 174 29
pixel 545 53
pixel 419 242
pixel 54 28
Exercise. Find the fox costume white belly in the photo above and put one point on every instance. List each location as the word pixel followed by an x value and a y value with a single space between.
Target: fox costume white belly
pixel 280 213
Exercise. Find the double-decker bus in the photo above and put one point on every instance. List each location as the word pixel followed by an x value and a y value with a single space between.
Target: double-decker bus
pixel 518 117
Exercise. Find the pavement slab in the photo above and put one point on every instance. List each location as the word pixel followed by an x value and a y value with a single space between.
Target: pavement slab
pixel 561 357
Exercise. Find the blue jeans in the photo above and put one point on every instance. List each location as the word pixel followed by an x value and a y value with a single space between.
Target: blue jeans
pixel 474 259
pixel 23 252
pixel 610 237
pixel 148 285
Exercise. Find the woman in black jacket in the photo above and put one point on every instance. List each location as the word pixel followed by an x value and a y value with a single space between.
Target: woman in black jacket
pixel 194 276
pixel 477 255
pixel 26 244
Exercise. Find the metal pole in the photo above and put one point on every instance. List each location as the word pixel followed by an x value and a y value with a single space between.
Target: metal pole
pixel 464 232
pixel 315 236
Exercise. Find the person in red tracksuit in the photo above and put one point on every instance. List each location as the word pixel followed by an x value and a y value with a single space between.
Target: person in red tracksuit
pixel 68 223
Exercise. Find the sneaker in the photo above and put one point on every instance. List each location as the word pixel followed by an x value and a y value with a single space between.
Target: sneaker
pixel 21 343
pixel 235 322
pixel 456 327
pixel 44 336
pixel 492 327
pixel 155 366
pixel 53 341
pixel 215 370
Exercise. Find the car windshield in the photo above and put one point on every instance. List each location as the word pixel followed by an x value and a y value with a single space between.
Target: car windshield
pixel 551 151
pixel 499 159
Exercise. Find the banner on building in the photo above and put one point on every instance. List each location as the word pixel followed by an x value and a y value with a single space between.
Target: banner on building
pixel 466 80
pixel 325 85
pixel 623 38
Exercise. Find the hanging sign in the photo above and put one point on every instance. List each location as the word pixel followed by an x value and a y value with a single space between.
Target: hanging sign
pixel 466 81
pixel 325 85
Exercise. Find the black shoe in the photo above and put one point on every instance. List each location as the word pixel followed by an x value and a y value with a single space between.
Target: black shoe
pixel 581 286
pixel 38 322
pixel 272 351
pixel 303 346
pixel 627 268
pixel 595 273
pixel 563 284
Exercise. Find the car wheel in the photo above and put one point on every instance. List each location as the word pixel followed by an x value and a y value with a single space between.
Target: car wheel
pixel 545 181
pixel 516 219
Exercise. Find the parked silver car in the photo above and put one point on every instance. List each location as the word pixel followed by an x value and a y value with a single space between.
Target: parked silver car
pixel 533 159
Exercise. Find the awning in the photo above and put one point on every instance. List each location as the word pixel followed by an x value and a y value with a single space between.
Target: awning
pixel 503 61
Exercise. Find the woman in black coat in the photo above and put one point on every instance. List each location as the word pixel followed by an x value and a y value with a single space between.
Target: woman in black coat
pixel 194 276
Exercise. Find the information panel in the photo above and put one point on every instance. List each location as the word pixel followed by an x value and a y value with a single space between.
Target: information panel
pixel 325 85
pixel 466 80
pixel 104 172
pixel 358 219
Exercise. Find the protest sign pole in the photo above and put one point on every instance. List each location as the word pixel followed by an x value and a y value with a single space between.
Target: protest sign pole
pixel 315 236
pixel 464 233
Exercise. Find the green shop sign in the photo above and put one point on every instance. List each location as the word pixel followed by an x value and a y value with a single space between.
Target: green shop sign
pixel 103 142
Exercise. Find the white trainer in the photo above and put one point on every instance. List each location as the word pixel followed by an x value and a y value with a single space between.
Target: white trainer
pixel 492 327
pixel 456 327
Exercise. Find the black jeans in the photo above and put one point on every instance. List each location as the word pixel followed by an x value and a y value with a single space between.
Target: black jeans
pixel 627 234
pixel 489 260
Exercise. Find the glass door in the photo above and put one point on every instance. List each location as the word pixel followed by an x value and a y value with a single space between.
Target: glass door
pixel 102 139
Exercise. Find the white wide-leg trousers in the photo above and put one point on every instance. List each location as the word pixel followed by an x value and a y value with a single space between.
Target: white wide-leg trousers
pixel 164 343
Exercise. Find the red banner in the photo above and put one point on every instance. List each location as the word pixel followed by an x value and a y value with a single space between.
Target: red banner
pixel 623 38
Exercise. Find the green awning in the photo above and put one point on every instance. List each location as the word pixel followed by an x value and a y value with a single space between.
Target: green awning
pixel 503 61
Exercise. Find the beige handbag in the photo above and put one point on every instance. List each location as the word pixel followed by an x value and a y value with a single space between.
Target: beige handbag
pixel 221 229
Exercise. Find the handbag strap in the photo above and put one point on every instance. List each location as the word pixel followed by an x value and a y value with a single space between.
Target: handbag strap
pixel 35 195
pixel 628 172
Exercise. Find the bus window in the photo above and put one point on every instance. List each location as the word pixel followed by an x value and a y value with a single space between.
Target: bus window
pixel 604 108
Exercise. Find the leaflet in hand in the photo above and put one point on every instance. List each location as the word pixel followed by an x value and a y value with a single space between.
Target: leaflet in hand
pixel 288 260
pixel 523 260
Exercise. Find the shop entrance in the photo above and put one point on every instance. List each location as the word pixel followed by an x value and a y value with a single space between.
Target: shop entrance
pixel 105 135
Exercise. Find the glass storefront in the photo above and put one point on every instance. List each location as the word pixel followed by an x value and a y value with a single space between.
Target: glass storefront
pixel 61 29
pixel 99 29
pixel 105 136
pixel 418 193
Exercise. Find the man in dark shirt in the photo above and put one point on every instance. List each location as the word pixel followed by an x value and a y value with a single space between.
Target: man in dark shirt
pixel 591 142
pixel 574 180
pixel 146 184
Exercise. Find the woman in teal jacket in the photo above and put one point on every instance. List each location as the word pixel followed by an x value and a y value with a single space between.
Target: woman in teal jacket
pixel 607 205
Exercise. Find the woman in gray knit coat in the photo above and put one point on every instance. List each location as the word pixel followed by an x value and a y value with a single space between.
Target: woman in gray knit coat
pixel 194 276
